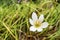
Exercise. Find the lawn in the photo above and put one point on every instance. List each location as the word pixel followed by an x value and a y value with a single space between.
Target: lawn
pixel 15 18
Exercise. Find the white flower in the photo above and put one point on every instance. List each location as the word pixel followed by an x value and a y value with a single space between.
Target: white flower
pixel 37 24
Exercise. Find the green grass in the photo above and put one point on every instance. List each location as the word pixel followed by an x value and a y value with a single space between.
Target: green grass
pixel 14 19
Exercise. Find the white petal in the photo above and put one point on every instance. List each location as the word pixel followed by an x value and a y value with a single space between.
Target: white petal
pixel 39 29
pixel 41 18
pixel 44 25
pixel 34 16
pixel 32 28
pixel 31 21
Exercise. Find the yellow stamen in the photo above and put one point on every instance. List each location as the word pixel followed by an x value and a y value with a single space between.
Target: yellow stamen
pixel 37 23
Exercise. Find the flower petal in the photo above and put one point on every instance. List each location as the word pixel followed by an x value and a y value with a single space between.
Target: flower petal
pixel 39 29
pixel 31 21
pixel 32 28
pixel 44 25
pixel 34 16
pixel 41 18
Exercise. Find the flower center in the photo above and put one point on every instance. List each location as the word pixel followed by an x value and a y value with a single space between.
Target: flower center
pixel 37 23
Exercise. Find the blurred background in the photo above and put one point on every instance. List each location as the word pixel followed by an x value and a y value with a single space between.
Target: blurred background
pixel 15 14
